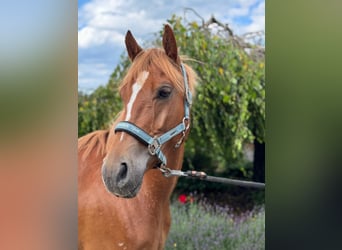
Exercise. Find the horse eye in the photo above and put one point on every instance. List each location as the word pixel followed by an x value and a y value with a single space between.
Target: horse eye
pixel 164 92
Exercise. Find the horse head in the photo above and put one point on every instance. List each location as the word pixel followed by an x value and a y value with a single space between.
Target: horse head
pixel 155 118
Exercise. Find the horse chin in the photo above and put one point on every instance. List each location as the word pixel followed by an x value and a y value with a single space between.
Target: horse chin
pixel 130 190
pixel 128 193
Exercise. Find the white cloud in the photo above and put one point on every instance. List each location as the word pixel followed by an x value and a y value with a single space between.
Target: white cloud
pixel 103 24
pixel 92 75
pixel 258 24
pixel 258 19
pixel 260 9
pixel 237 12
pixel 90 36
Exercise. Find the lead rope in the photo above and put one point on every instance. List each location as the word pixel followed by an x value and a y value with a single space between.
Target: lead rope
pixel 167 172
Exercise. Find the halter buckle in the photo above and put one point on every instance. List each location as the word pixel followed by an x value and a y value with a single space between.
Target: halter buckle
pixel 154 146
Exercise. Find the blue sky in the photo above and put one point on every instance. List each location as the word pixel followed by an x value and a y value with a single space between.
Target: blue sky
pixel 102 25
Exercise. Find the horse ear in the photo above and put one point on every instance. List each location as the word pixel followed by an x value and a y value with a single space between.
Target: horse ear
pixel 132 46
pixel 170 45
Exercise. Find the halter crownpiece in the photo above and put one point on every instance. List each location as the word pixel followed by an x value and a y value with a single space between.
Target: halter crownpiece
pixel 154 144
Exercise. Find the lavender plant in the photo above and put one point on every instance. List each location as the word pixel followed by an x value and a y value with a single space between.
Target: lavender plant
pixel 204 226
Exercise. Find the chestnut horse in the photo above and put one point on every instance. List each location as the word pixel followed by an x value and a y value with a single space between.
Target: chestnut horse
pixel 123 199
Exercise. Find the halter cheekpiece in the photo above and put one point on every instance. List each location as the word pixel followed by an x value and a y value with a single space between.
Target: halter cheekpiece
pixel 155 143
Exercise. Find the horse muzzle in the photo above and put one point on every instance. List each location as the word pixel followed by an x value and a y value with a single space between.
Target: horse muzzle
pixel 123 180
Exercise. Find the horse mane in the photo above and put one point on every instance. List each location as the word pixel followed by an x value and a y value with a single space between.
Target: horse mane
pixel 93 141
pixel 157 58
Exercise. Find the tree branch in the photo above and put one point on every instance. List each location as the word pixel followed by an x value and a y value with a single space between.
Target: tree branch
pixel 256 51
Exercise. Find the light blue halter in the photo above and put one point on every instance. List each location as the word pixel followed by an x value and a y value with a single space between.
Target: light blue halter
pixel 154 144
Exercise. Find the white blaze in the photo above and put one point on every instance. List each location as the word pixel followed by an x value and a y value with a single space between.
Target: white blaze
pixel 135 90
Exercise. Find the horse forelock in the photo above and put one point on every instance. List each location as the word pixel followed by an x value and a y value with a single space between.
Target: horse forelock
pixel 156 58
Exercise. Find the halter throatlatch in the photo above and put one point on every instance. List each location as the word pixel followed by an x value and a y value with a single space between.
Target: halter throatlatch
pixel 155 143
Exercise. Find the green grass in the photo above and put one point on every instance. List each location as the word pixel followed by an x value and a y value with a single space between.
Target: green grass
pixel 203 226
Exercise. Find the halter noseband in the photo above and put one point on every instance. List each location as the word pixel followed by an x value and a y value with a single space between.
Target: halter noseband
pixel 155 143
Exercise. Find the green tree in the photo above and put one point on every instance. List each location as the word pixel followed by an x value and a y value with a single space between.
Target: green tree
pixel 98 109
pixel 229 109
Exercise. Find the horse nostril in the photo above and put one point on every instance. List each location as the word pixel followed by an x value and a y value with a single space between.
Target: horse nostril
pixel 122 172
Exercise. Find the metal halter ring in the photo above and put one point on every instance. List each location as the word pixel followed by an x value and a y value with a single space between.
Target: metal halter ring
pixel 180 140
pixel 186 127
pixel 154 146
pixel 186 122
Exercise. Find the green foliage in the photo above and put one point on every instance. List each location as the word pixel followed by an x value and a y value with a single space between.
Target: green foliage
pixel 229 108
pixel 196 226
pixel 98 109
